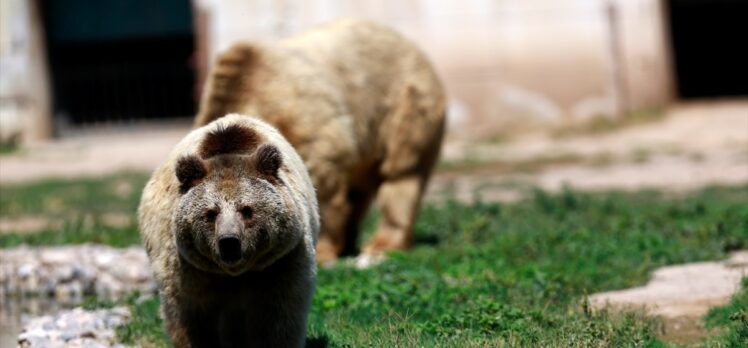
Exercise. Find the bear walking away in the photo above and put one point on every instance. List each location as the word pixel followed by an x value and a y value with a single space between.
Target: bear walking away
pixel 361 105
pixel 229 222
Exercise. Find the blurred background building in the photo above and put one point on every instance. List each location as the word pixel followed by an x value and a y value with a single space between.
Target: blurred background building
pixel 71 64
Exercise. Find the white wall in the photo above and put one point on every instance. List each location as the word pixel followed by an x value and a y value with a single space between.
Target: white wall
pixel 503 60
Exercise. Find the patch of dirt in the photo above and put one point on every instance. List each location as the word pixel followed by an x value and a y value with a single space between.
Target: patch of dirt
pixel 683 294
pixel 35 224
pixel 27 224
pixel 686 330
pixel 116 219
pixel 93 155
pixel 690 127
pixel 123 188
pixel 694 145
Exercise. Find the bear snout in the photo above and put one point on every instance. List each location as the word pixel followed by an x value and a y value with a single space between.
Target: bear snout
pixel 230 248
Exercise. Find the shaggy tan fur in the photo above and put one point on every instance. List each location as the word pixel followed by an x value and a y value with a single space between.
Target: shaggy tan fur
pixel 229 222
pixel 363 107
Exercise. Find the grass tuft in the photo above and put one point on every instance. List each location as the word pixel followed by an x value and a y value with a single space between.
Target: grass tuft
pixel 732 320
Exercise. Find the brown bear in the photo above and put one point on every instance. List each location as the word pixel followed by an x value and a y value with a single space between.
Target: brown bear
pixel 229 222
pixel 364 109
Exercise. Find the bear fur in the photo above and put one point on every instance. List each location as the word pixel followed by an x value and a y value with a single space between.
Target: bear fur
pixel 230 222
pixel 361 105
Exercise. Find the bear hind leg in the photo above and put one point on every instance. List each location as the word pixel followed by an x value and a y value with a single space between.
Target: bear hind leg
pixel 399 200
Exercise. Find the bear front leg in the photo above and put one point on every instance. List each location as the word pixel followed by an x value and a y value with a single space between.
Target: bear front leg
pixel 177 334
pixel 333 217
pixel 175 328
pixel 188 329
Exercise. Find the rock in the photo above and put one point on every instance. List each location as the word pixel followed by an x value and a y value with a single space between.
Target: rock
pixel 64 272
pixel 71 272
pixel 687 290
pixel 25 270
pixel 75 328
pixel 53 256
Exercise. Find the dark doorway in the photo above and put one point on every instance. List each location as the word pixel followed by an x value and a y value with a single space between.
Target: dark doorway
pixel 119 60
pixel 709 47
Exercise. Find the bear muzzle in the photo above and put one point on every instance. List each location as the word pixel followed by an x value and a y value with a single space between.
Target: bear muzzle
pixel 228 228
pixel 230 248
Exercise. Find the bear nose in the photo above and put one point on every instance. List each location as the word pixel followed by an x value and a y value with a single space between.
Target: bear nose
pixel 229 248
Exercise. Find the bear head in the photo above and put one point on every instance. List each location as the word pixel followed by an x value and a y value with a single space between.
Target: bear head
pixel 235 213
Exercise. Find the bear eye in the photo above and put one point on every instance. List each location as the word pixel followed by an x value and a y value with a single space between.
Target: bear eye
pixel 211 215
pixel 246 212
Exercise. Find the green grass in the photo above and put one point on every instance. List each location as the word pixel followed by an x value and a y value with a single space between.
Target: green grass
pixel 8 147
pixel 732 320
pixel 144 328
pixel 64 198
pixel 75 232
pixel 516 275
pixel 81 205
pixel 479 275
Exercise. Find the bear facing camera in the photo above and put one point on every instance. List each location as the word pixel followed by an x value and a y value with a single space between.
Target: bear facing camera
pixel 230 223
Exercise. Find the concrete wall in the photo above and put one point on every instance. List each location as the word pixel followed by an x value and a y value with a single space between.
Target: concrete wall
pixel 503 61
pixel 25 112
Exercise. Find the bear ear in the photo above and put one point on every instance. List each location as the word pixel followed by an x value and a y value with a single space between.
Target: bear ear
pixel 269 159
pixel 190 170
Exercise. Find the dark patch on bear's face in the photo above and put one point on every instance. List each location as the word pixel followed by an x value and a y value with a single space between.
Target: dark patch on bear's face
pixel 190 170
pixel 226 140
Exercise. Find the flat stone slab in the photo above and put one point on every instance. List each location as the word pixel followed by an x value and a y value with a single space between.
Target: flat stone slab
pixel 688 290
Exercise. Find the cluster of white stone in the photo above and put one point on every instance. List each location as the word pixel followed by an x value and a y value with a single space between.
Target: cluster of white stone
pixel 63 275
pixel 71 272
pixel 75 328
